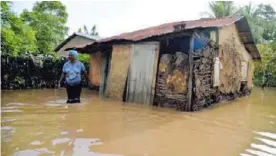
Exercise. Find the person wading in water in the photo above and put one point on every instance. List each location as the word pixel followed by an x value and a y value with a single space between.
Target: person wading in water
pixel 72 71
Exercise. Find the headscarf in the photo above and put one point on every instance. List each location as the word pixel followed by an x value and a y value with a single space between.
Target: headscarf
pixel 74 53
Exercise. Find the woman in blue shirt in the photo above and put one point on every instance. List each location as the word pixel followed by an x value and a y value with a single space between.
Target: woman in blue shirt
pixel 72 71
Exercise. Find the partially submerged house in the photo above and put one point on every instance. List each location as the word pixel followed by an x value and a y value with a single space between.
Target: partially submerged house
pixel 74 40
pixel 186 64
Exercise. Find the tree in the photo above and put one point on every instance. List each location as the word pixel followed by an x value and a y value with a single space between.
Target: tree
pixel 262 21
pixel 267 65
pixel 79 30
pixel 266 11
pixel 16 37
pixel 249 10
pixel 251 13
pixel 221 9
pixel 48 19
pixel 6 13
pixel 93 31
pixel 267 16
pixel 85 30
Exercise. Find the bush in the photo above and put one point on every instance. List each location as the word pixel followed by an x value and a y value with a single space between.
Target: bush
pixel 22 72
pixel 267 65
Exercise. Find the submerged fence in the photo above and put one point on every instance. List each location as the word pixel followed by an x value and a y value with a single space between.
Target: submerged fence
pixel 24 73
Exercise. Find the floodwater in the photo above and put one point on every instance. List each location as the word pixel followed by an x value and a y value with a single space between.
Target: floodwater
pixel 38 122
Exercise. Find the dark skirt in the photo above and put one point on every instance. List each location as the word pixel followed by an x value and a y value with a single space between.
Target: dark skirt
pixel 73 93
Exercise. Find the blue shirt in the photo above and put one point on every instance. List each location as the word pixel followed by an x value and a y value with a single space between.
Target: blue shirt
pixel 73 72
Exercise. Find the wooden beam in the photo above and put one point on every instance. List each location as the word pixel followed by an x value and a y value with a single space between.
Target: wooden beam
pixel 190 82
pixel 170 36
pixel 245 33
pixel 249 43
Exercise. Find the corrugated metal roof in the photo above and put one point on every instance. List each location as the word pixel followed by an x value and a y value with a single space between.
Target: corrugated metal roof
pixel 92 38
pixel 167 28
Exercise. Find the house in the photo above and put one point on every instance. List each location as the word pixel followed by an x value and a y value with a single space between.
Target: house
pixel 188 64
pixel 74 40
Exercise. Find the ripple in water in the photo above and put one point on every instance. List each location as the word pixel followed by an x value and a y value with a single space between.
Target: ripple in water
pixel 267 134
pixel 17 104
pixel 268 148
pixel 6 132
pixel 8 120
pixel 36 143
pixel 11 110
pixel 60 140
pixel 267 141
pixel 31 152
pixel 258 153
pixel 81 147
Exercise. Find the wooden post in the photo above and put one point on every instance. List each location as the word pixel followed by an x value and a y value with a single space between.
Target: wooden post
pixel 103 75
pixel 190 84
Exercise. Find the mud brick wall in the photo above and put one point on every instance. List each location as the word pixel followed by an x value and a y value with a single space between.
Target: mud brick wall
pixel 172 80
pixel 231 53
pixel 95 72
pixel 204 94
pixel 231 86
pixel 118 72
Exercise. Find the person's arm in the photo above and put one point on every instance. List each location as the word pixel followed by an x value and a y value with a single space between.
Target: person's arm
pixel 85 75
pixel 62 75
pixel 87 78
pixel 61 78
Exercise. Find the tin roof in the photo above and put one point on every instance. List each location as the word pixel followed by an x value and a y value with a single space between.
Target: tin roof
pixel 92 38
pixel 163 29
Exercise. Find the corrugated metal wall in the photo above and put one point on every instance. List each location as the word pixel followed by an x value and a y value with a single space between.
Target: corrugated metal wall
pixel 142 73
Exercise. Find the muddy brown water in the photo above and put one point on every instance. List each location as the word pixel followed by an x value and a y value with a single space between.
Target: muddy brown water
pixel 38 122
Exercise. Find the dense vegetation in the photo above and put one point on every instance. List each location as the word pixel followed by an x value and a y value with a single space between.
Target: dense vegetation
pixel 40 30
pixel 36 31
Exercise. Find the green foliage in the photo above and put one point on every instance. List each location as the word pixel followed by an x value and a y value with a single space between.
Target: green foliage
pixel 262 22
pixel 267 65
pixel 48 19
pixel 5 13
pixel 261 18
pixel 37 31
pixel 221 9
pixel 251 14
pixel 23 72
pixel 16 36
pixel 84 58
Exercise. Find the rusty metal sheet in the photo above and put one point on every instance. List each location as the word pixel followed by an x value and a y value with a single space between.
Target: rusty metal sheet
pixel 163 29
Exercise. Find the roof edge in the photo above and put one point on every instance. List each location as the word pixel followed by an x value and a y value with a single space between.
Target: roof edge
pixel 71 37
pixel 253 51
